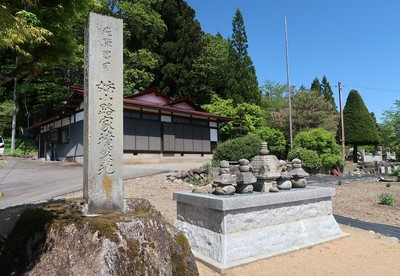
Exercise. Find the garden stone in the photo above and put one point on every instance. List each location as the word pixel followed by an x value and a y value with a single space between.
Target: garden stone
pixel 298 174
pixel 244 168
pixel 208 189
pixel 224 183
pixel 284 184
pixel 243 162
pixel 224 170
pixel 244 189
pixel 224 164
pixel 225 190
pixel 299 183
pixel 245 178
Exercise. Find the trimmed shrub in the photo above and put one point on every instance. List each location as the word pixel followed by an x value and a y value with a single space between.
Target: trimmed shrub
pixel 309 158
pixel 318 139
pixel 330 161
pixel 238 148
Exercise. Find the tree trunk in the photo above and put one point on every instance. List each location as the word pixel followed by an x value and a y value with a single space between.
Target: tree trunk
pixel 355 155
pixel 14 119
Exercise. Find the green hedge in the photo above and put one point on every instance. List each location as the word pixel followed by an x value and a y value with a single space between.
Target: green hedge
pixel 238 148
pixel 309 158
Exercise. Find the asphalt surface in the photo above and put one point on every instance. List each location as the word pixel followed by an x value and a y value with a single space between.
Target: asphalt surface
pixel 24 181
pixel 384 229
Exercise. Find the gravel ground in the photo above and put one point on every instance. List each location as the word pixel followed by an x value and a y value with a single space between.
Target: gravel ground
pixel 362 253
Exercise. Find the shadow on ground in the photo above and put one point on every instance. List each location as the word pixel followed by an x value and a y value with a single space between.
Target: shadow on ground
pixel 9 217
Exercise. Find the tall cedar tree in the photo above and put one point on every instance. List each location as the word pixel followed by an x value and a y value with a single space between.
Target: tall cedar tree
pixel 209 69
pixel 326 91
pixel 359 126
pixel 316 85
pixel 242 84
pixel 181 45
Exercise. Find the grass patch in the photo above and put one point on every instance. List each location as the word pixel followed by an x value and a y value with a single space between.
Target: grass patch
pixel 25 147
pixel 387 199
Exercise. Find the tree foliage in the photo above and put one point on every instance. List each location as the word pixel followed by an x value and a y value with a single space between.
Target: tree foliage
pixel 326 91
pixel 274 96
pixel 390 129
pixel 359 126
pixel 309 158
pixel 323 143
pixel 209 69
pixel 309 110
pixel 319 140
pixel 316 85
pixel 246 117
pixel 6 111
pixel 180 46
pixel 20 28
pixel 275 139
pixel 144 30
pixel 238 148
pixel 40 34
pixel 241 79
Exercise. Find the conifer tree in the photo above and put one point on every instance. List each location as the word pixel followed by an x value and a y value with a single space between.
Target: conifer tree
pixel 326 91
pixel 181 45
pixel 359 126
pixel 316 85
pixel 242 84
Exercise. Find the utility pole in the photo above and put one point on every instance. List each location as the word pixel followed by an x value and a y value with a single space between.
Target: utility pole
pixel 288 87
pixel 341 121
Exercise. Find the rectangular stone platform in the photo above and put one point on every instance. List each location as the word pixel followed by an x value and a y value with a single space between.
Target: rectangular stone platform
pixel 227 231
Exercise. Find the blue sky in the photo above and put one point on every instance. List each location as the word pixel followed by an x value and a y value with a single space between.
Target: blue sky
pixel 355 42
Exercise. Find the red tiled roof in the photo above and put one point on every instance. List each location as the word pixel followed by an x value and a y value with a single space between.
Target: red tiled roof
pixel 131 101
pixel 149 91
pixel 188 101
pixel 173 109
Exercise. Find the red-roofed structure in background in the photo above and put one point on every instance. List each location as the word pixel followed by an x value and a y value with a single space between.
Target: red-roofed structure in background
pixel 153 123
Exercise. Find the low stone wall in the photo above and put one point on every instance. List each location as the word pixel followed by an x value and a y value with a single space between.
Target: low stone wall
pixel 227 231
pixel 379 167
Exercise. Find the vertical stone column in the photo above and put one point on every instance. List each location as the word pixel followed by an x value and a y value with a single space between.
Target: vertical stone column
pixel 103 122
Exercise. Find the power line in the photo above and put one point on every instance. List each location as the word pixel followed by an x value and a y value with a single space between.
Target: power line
pixel 371 88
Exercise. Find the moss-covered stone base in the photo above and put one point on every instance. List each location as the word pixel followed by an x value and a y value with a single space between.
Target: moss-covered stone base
pixel 57 240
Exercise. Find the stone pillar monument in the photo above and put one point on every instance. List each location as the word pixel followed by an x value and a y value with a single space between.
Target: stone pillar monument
pixel 103 122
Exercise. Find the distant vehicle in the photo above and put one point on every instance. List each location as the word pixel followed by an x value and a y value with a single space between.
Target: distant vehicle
pixel 1 146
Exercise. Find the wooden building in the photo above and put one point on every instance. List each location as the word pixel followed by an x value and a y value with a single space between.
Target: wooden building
pixel 153 123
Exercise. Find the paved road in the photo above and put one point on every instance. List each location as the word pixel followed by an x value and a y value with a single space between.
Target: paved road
pixel 25 181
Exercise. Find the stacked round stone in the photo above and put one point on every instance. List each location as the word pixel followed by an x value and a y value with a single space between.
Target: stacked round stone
pixel 245 178
pixel 224 183
pixel 299 175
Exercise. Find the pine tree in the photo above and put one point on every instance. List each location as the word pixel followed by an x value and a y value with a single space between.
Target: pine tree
pixel 242 84
pixel 326 91
pixel 316 85
pixel 359 126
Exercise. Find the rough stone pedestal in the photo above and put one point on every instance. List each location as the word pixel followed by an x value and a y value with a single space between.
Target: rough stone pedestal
pixel 225 232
